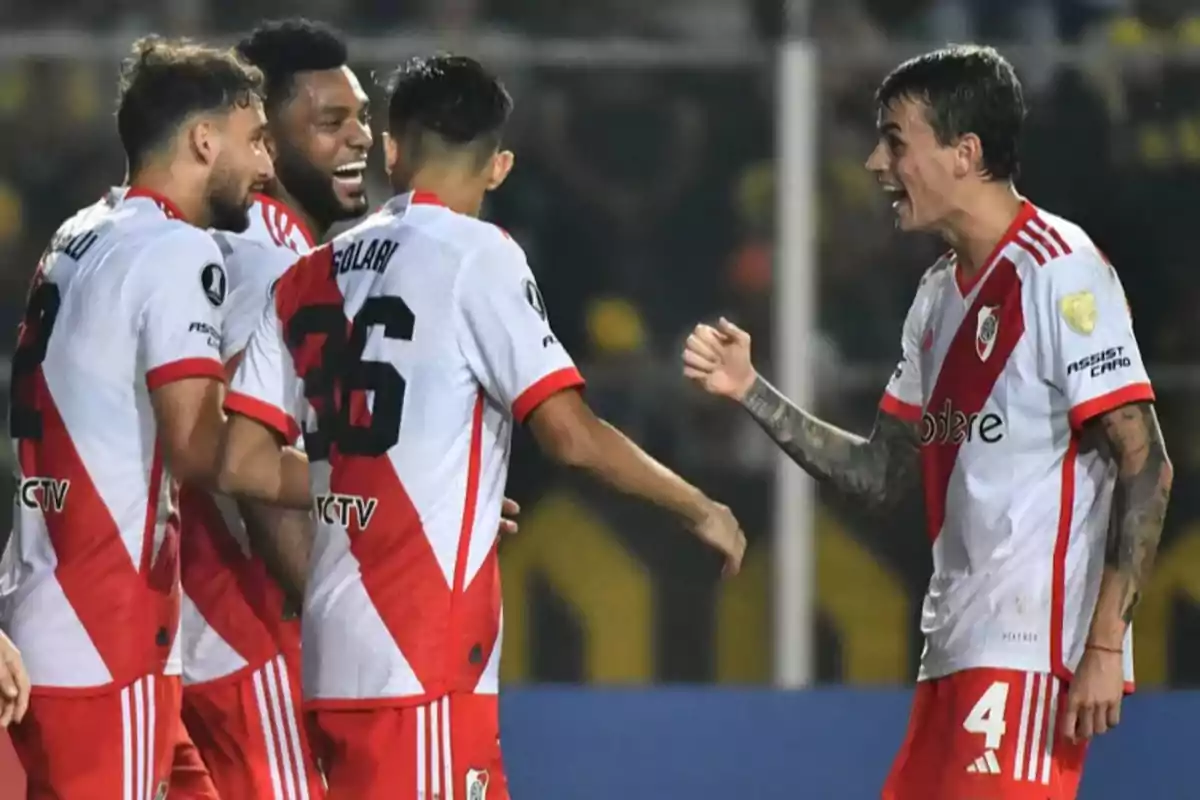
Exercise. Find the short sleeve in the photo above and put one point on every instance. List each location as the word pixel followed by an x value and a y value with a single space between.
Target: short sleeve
pixel 505 330
pixel 252 269
pixel 903 396
pixel 265 386
pixel 180 324
pixel 1088 350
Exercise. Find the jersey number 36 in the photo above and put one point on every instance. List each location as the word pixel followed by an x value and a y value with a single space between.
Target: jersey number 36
pixel 338 383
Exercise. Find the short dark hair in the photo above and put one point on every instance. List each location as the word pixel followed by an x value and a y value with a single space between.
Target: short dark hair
pixel 283 48
pixel 452 99
pixel 966 89
pixel 165 81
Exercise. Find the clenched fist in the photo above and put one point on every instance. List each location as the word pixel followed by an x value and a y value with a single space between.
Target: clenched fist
pixel 719 359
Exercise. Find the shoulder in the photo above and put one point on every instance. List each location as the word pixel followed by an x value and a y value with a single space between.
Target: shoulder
pixel 1048 247
pixel 248 258
pixel 931 285
pixel 941 271
pixel 184 243
pixel 172 256
pixel 1065 256
pixel 274 224
pixel 466 236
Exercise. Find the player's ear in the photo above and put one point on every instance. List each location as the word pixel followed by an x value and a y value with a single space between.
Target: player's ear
pixel 204 140
pixel 391 153
pixel 968 155
pixel 501 165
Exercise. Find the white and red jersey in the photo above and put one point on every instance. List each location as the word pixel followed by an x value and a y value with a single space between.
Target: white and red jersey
pixel 1002 374
pixel 125 300
pixel 233 611
pixel 404 350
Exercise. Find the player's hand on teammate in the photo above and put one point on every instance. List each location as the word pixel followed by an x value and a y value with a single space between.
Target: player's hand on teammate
pixel 14 683
pixel 720 529
pixel 1094 699
pixel 718 359
pixel 508 516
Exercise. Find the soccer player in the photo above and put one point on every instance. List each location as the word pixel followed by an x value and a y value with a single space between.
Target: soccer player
pixel 241 645
pixel 1022 407
pixel 116 391
pixel 407 414
pixel 241 670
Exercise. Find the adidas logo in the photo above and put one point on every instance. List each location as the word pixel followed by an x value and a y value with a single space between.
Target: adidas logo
pixel 986 764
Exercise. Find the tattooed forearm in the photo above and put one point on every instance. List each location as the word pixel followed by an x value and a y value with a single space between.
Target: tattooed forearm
pixel 1139 502
pixel 879 470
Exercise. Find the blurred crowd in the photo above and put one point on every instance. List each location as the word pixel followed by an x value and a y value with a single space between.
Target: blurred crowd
pixel 646 196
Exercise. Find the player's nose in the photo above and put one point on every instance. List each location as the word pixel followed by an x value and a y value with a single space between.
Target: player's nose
pixel 876 159
pixel 359 137
pixel 265 167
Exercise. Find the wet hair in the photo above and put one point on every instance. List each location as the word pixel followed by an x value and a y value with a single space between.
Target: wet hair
pixel 966 89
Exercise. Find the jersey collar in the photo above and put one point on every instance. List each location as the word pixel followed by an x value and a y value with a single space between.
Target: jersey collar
pixel 420 198
pixel 1026 213
pixel 168 208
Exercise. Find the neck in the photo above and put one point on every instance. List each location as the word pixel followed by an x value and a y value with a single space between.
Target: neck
pixel 450 186
pixel 186 196
pixel 978 226
pixel 316 227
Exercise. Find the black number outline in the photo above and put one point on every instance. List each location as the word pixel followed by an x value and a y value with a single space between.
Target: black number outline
pixel 331 384
pixel 33 342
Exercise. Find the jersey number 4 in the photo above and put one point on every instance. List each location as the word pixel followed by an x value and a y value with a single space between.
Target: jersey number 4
pixel 987 717
pixel 24 418
pixel 337 384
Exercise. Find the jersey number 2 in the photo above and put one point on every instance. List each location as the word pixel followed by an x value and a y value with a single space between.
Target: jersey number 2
pixel 24 420
pixel 341 376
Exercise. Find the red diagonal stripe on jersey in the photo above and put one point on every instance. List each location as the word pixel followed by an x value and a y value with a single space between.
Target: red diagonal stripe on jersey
pixel 965 381
pixel 400 572
pixel 120 610
pixel 232 591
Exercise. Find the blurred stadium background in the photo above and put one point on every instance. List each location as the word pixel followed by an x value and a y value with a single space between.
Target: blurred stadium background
pixel 676 160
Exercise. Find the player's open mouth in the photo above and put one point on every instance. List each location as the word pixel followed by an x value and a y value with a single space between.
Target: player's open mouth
pixel 897 194
pixel 350 176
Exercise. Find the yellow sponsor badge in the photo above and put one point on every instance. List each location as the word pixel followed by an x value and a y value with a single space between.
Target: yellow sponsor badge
pixel 1079 312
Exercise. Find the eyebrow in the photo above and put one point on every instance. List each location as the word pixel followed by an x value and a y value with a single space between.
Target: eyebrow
pixel 889 127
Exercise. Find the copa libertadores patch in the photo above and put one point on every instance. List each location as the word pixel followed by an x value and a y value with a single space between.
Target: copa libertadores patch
pixel 534 297
pixel 212 280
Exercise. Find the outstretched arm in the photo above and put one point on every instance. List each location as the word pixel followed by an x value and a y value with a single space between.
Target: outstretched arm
pixel 878 470
pixel 567 431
